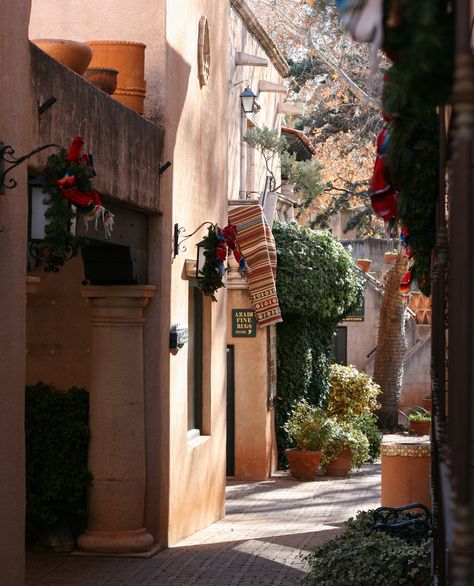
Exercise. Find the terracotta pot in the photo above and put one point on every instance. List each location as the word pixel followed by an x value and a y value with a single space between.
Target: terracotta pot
pixel 364 264
pixel 73 54
pixel 105 78
pixel 390 257
pixel 303 463
pixel 420 427
pixel 126 56
pixel 415 300
pixel 132 99
pixel 426 404
pixel 341 465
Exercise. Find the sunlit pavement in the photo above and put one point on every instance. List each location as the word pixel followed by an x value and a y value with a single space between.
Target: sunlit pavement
pixel 267 529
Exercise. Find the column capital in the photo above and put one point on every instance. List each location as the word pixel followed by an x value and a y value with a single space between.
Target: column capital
pixel 118 295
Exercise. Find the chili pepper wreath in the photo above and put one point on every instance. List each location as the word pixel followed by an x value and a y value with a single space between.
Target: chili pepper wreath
pixel 68 177
pixel 217 244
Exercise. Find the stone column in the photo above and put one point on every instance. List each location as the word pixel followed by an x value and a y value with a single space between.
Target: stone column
pixel 117 445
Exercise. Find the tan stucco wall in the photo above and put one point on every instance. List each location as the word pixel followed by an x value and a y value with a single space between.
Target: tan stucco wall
pixel 253 416
pixel 417 373
pixel 196 184
pixel 241 40
pixel 110 20
pixel 362 336
pixel 15 130
pixel 59 330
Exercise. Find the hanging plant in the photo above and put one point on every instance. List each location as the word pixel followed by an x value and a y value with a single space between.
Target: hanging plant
pixel 69 192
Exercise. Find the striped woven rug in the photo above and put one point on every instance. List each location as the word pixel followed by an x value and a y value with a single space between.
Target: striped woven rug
pixel 257 244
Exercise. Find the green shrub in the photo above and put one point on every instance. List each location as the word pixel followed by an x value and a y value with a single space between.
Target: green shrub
pixel 351 393
pixel 362 557
pixel 57 439
pixel 317 284
pixel 316 277
pixel 341 437
pixel 307 426
pixel 367 424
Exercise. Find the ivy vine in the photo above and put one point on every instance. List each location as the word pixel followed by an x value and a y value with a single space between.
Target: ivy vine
pixel 318 284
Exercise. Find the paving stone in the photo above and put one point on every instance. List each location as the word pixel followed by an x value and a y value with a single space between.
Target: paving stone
pixel 268 528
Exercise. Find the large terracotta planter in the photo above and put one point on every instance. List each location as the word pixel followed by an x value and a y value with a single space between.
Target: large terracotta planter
pixel 405 474
pixel 132 99
pixel 340 466
pixel 126 56
pixel 73 54
pixel 303 463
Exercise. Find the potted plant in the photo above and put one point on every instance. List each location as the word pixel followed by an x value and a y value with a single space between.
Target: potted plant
pixel 307 427
pixel 345 448
pixel 420 421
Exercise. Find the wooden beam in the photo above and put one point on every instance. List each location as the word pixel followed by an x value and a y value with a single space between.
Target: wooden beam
pixel 252 60
pixel 285 108
pixel 270 86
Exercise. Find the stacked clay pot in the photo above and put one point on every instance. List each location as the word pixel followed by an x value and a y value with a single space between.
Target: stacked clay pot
pixel 128 58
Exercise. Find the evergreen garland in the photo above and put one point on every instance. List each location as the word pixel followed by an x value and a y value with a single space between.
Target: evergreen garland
pixel 59 244
pixel 418 82
pixel 210 277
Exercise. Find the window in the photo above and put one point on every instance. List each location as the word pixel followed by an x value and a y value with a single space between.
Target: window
pixel 195 358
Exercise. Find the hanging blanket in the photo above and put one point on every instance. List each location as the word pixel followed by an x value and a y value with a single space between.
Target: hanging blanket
pixel 258 247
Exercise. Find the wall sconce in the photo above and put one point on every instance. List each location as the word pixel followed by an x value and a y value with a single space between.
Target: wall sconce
pixel 179 238
pixel 248 100
pixel 37 223
pixel 7 155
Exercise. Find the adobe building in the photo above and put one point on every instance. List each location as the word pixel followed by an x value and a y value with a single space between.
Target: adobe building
pixel 180 453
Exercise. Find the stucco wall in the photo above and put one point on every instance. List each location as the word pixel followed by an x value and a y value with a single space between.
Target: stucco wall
pixel 253 416
pixel 362 336
pixel 241 40
pixel 110 20
pixel 417 373
pixel 195 188
pixel 127 148
pixel 15 130
pixel 59 329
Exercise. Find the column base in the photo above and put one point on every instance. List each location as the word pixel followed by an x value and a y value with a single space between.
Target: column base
pixel 115 541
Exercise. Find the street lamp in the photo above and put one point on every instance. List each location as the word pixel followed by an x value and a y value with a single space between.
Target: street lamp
pixel 247 100
pixel 200 258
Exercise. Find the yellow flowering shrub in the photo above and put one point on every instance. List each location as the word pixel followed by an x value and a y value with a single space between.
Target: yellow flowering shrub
pixel 351 393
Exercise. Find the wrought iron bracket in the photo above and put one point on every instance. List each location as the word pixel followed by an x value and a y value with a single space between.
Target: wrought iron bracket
pixel 53 264
pixel 179 232
pixel 7 157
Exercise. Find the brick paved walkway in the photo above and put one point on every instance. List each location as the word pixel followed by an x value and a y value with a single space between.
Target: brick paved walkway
pixel 266 528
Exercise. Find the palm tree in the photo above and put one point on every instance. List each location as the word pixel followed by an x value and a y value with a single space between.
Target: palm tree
pixel 391 346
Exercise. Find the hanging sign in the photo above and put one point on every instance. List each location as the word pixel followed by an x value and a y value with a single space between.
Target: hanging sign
pixel 358 314
pixel 244 323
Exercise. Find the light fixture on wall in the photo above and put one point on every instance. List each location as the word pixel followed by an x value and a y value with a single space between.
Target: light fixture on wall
pixel 179 238
pixel 37 222
pixel 248 100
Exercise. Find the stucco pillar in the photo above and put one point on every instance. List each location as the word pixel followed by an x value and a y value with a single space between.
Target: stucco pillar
pixel 117 422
